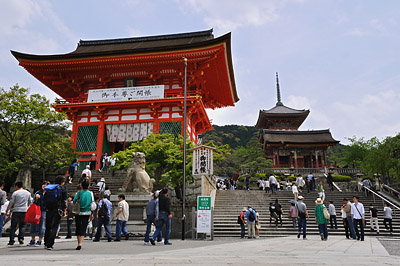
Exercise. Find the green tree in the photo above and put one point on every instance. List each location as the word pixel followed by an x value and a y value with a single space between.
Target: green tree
pixel 164 159
pixel 32 133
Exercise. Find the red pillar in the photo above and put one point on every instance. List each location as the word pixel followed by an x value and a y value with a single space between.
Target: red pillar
pixel 311 161
pixel 99 146
pixel 74 135
pixel 277 158
pixel 316 159
pixel 325 162
pixel 295 161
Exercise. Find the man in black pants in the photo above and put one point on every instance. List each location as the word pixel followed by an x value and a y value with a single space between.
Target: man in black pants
pixel 164 217
pixel 55 198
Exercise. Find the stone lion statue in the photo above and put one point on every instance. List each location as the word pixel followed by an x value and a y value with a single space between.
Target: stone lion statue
pixel 137 179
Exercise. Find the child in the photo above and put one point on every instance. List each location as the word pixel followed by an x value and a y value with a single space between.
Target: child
pixel 293 214
pixel 332 212
pixel 70 217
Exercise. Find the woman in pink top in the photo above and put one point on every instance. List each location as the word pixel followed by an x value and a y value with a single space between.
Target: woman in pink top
pixel 293 214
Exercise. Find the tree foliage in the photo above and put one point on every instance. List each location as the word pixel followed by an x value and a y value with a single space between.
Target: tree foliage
pixel 164 159
pixel 245 154
pixel 32 133
pixel 374 156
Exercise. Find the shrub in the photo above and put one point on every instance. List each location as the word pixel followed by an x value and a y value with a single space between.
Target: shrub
pixel 341 178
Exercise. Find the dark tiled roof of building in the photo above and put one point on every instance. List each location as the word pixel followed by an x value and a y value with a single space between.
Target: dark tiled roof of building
pixel 298 137
pixel 93 46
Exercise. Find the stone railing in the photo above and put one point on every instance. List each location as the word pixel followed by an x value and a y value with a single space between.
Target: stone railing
pixel 303 171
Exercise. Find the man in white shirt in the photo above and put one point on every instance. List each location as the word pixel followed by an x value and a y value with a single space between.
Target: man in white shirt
pixel 272 183
pixel 358 214
pixel 20 201
pixel 87 172
pixel 122 216
pixel 387 217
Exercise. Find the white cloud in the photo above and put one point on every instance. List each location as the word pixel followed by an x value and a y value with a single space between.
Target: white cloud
pixel 228 15
pixel 298 102
pixel 369 116
pixel 357 32
pixel 17 14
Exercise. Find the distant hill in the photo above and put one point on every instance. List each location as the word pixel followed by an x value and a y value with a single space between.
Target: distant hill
pixel 234 135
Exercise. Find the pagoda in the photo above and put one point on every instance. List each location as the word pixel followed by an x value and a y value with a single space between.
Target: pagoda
pixel 121 90
pixel 287 146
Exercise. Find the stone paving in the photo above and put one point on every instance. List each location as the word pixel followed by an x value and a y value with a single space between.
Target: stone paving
pixel 273 251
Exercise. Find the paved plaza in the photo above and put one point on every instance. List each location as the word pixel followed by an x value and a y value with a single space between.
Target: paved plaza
pixel 271 251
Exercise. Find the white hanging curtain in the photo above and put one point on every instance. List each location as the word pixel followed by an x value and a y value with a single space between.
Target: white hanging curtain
pixel 128 132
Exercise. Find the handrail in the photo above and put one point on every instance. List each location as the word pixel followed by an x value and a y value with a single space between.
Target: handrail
pixel 337 187
pixel 391 189
pixel 379 196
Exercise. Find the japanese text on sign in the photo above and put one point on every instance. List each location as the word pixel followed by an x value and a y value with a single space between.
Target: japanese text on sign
pixel 204 214
pixel 126 94
pixel 202 161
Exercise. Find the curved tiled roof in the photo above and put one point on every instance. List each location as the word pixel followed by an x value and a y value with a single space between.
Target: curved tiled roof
pixel 298 137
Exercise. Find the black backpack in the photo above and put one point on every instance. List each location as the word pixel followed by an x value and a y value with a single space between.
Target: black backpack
pixel 239 220
pixel 252 217
pixel 103 211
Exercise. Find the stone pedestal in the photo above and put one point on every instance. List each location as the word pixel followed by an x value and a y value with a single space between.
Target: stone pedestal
pixel 137 212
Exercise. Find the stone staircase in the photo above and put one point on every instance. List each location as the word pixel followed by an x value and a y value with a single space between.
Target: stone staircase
pixel 114 182
pixel 228 205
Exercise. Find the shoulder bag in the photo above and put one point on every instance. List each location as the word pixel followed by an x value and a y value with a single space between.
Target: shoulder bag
pixel 76 208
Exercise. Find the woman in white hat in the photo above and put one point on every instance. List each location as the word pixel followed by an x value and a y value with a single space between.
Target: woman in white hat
pixel 320 219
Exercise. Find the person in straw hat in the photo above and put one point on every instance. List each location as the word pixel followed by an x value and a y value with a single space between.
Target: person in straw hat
pixel 320 219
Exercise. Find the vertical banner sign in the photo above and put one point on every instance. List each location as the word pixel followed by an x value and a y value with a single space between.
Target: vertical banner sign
pixel 202 160
pixel 204 214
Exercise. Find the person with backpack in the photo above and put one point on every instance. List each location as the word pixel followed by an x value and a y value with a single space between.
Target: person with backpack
pixel 321 219
pixel 103 218
pixel 55 199
pixel 278 210
pixel 273 215
pixel 85 198
pixel 242 221
pixel 251 217
pixel 41 227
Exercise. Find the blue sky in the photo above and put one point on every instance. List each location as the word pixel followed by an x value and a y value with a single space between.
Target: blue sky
pixel 338 58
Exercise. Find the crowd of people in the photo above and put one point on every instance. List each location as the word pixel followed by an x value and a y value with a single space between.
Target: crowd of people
pixel 353 218
pixel 353 214
pixel 90 208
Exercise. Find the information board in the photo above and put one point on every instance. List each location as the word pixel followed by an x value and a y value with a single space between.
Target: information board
pixel 204 214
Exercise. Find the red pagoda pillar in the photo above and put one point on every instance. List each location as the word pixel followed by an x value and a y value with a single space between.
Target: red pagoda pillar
pixel 316 159
pixel 277 158
pixel 295 161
